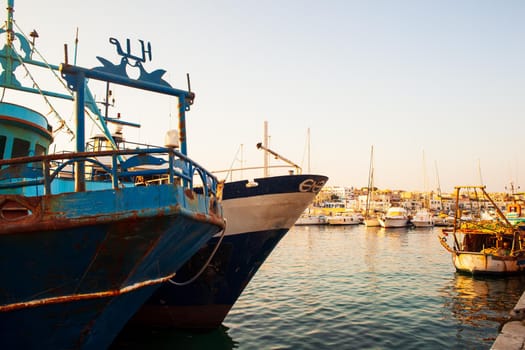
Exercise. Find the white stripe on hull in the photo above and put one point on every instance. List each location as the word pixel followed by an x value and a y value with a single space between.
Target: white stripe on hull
pixel 264 212
pixel 393 222
pixel 422 223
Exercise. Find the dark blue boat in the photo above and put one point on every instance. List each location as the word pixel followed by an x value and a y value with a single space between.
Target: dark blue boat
pixel 86 237
pixel 259 213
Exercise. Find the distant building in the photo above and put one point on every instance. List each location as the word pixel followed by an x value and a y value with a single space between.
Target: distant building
pixel 353 198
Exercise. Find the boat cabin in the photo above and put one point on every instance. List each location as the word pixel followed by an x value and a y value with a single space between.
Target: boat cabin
pixel 23 132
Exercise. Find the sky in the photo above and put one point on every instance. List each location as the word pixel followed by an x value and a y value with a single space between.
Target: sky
pixel 436 87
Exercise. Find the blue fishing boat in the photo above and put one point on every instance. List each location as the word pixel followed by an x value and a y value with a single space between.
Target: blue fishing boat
pixel 259 213
pixel 87 236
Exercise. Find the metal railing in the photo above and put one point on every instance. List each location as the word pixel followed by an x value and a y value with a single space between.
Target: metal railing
pixel 139 166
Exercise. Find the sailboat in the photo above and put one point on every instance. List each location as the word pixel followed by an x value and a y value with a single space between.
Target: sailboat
pixel 370 220
pixel 423 217
pixel 311 215
pixel 441 219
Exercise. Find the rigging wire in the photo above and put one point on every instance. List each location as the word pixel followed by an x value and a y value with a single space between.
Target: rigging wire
pixel 45 61
pixel 61 121
pixel 232 163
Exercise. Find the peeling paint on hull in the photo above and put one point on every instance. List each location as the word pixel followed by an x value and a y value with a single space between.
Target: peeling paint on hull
pixel 83 263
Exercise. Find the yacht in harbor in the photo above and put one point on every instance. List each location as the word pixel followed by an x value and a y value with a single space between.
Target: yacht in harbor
pixel 423 218
pixel 311 219
pixel 345 219
pixel 394 217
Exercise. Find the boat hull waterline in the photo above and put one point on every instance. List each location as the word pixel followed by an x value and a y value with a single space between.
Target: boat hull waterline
pixel 257 219
pixel 487 264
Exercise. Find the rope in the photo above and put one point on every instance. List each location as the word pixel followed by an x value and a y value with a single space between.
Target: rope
pixel 181 284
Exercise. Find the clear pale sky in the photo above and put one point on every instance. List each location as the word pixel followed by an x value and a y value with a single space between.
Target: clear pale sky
pixel 440 81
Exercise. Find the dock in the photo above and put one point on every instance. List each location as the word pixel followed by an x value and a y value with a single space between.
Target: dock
pixel 512 335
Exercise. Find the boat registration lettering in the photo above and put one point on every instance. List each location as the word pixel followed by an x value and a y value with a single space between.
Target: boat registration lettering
pixel 310 185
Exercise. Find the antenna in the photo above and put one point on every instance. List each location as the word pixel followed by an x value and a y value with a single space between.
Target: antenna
pixel 191 96
pixel 106 103
pixel 76 48
pixel 188 81
pixel 65 54
pixel 33 36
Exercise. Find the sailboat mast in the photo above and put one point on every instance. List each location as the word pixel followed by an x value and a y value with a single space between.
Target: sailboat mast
pixel 266 154
pixel 425 180
pixel 439 185
pixel 426 196
pixel 370 181
pixel 479 171
pixel 308 149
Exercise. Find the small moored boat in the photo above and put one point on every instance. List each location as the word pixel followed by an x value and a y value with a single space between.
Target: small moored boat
pixel 479 245
pixel 311 219
pixel 394 217
pixel 423 218
pixel 345 219
pixel 443 219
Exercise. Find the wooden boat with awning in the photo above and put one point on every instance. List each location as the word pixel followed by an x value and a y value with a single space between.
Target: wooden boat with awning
pixel 479 245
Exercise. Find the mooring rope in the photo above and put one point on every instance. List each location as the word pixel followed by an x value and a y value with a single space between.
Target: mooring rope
pixel 180 284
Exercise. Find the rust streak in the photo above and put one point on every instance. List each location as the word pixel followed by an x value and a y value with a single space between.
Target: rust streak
pixel 77 297
pixel 189 193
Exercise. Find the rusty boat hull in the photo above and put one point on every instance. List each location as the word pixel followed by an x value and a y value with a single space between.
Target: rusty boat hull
pixel 78 265
pixel 258 217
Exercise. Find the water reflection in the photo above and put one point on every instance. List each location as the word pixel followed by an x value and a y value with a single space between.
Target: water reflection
pixel 144 338
pixel 355 288
pixel 481 302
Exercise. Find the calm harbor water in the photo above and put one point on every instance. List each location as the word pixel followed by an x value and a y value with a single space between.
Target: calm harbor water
pixel 353 287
